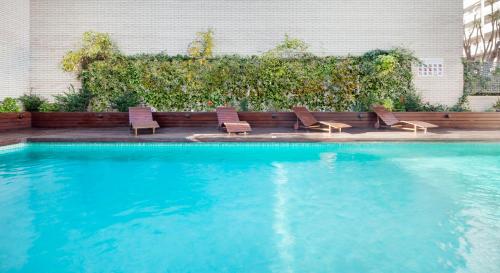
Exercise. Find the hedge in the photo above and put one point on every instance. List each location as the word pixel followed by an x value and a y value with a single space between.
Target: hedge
pixel 277 80
pixel 252 83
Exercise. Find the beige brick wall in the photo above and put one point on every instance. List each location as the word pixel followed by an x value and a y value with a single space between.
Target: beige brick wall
pixel 482 103
pixel 432 29
pixel 14 48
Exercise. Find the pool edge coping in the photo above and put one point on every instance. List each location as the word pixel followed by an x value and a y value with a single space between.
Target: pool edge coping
pixel 81 140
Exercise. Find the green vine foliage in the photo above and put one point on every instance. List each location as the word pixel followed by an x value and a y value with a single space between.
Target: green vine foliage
pixel 9 105
pixel 276 81
pixel 202 46
pixel 95 46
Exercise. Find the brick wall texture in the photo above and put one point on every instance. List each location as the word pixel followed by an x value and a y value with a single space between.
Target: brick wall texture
pixel 14 47
pixel 430 28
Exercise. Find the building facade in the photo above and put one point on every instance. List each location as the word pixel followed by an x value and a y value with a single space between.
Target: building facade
pixel 481 33
pixel 432 29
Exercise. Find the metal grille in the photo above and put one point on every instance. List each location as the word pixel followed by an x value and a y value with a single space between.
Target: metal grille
pixel 482 78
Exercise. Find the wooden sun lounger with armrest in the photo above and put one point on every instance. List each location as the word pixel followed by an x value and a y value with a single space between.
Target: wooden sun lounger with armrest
pixel 389 119
pixel 141 118
pixel 310 122
pixel 229 120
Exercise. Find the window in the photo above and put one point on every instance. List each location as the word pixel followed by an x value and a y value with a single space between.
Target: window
pixel 431 68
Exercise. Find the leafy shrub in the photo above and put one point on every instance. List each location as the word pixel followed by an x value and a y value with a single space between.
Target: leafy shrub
pixel 386 75
pixel 123 101
pixel 9 105
pixel 49 107
pixel 71 101
pixel 415 104
pixel 31 103
pixel 95 46
pixel 74 100
pixel 388 104
pixel 462 105
pixel 202 46
pixel 289 48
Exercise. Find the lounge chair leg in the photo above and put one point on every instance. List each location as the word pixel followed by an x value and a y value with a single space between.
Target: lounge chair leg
pixel 425 130
pixel 415 129
pixel 135 131
pixel 340 130
pixel 329 130
pixel 377 124
pixel 154 129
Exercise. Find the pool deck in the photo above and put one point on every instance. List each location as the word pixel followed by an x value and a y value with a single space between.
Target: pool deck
pixel 258 135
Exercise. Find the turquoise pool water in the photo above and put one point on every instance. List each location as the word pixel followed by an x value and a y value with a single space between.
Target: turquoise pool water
pixel 388 207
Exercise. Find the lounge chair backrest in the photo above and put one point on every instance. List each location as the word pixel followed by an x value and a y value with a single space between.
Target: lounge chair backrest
pixel 226 114
pixel 385 115
pixel 305 116
pixel 139 114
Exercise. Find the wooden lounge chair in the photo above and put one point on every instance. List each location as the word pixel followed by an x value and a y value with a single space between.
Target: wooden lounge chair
pixel 141 118
pixel 310 122
pixel 388 119
pixel 228 119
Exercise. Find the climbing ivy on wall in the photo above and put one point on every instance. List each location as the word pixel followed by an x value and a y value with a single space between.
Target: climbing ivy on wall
pixel 285 76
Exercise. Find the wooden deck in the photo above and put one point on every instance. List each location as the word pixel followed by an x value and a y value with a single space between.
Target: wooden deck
pixel 267 127
pixel 201 134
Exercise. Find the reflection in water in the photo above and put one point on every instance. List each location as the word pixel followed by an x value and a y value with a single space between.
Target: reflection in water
pixel 328 160
pixel 280 225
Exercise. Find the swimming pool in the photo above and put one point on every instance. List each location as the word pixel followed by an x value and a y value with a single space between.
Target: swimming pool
pixel 371 207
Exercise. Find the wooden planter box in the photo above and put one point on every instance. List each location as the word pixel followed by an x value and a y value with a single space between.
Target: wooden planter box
pixel 463 120
pixel 10 121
